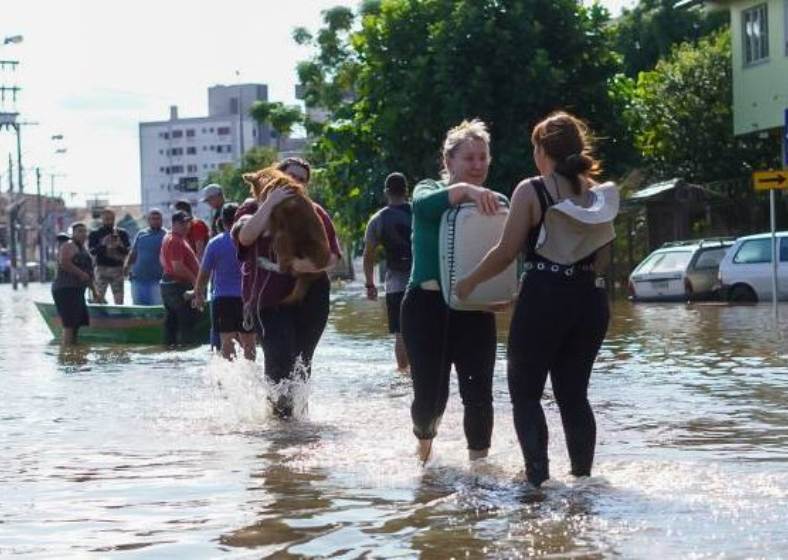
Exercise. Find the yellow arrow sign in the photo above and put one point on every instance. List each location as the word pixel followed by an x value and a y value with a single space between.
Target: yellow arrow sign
pixel 768 180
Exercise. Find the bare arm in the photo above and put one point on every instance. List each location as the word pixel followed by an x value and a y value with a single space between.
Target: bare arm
pixel 258 223
pixel 201 286
pixel 130 260
pixel 66 253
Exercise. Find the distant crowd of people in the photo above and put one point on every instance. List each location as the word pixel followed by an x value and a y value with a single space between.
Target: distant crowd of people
pixel 266 262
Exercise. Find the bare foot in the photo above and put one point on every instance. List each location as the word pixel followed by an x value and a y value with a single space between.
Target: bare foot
pixel 424 450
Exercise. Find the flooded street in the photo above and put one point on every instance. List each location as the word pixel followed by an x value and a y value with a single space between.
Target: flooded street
pixel 165 454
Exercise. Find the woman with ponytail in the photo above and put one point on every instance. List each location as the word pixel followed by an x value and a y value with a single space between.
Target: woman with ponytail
pixel 561 221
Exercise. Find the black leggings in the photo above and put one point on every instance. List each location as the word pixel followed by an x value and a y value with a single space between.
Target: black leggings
pixel 558 327
pixel 435 338
pixel 290 332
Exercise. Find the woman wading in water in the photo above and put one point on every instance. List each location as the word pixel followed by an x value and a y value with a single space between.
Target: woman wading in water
pixel 437 337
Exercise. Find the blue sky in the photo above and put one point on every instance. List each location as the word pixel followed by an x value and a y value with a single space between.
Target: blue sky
pixel 91 70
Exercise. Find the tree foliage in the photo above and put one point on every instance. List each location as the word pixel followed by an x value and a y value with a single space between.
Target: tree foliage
pixel 281 117
pixel 649 31
pixel 397 74
pixel 682 116
pixel 231 177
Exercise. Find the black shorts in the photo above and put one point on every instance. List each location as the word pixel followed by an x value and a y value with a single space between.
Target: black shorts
pixel 394 310
pixel 71 307
pixel 228 315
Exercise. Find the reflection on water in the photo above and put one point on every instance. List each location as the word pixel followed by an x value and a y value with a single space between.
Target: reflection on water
pixel 174 454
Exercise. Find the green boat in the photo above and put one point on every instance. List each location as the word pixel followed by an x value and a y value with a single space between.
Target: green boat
pixel 124 324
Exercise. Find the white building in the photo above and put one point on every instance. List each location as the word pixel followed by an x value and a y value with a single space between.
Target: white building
pixel 176 155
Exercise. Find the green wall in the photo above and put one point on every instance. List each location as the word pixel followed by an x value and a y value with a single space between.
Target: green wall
pixel 760 91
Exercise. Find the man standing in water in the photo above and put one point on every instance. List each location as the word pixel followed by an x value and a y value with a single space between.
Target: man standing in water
pixel 390 227
pixel 180 274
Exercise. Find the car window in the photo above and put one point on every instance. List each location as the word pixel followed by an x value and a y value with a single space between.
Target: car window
pixel 754 251
pixel 669 261
pixel 784 249
pixel 710 258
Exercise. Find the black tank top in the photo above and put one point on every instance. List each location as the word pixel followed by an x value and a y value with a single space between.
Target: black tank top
pixel 82 261
pixel 395 228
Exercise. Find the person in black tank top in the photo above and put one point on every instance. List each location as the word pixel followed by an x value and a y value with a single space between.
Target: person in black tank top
pixel 74 276
pixel 562 311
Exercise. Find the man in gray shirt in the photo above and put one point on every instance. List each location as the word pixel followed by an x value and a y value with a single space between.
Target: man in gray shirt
pixel 390 228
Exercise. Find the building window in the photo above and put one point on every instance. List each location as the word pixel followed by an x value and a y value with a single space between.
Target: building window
pixel 219 149
pixel 165 135
pixel 191 151
pixel 189 133
pixel 755 34
pixel 177 134
pixel 191 168
pixel 223 130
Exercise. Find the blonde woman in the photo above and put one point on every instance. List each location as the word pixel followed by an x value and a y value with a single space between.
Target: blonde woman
pixel 437 337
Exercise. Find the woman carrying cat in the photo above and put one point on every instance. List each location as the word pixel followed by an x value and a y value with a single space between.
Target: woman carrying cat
pixel 289 326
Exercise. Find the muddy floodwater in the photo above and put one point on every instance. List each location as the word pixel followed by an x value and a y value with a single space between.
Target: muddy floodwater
pixel 136 452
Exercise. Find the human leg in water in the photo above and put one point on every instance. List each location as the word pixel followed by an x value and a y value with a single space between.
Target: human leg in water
pixel 424 319
pixel 570 373
pixel 532 343
pixel 472 344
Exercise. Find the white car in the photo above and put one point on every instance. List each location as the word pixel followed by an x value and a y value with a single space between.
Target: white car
pixel 680 271
pixel 745 274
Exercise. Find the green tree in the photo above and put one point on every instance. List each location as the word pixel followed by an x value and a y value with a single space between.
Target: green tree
pixel 682 117
pixel 281 117
pixel 649 31
pixel 396 76
pixel 231 177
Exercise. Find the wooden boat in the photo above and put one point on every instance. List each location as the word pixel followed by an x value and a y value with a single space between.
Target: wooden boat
pixel 125 324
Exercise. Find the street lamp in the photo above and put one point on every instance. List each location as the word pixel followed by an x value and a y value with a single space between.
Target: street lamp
pixel 13 39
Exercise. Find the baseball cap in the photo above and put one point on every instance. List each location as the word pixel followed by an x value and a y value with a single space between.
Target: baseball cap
pixel 211 190
pixel 62 236
pixel 180 216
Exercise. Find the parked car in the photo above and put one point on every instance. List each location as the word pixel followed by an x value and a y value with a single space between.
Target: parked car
pixel 745 274
pixel 680 271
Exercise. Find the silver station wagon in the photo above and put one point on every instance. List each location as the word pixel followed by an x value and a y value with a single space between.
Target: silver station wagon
pixel 680 271
pixel 745 273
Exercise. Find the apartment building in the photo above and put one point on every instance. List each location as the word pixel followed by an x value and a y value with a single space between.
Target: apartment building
pixel 176 155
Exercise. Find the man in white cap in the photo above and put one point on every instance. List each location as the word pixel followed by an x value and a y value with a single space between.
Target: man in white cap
pixel 213 196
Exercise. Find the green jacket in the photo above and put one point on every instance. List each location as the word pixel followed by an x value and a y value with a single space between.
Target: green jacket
pixel 430 200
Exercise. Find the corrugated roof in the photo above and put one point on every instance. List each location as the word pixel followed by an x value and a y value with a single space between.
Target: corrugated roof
pixel 654 189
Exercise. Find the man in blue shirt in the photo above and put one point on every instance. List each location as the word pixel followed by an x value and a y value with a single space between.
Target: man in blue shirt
pixel 143 262
pixel 221 262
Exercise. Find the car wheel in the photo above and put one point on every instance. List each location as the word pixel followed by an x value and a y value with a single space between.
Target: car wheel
pixel 742 294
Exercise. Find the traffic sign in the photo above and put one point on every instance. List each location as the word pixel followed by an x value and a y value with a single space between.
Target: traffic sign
pixel 770 180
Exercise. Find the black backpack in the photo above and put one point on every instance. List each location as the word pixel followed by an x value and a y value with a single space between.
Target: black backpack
pixel 395 237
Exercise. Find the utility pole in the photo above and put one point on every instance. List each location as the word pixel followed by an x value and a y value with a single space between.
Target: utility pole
pixel 42 249
pixel 8 119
